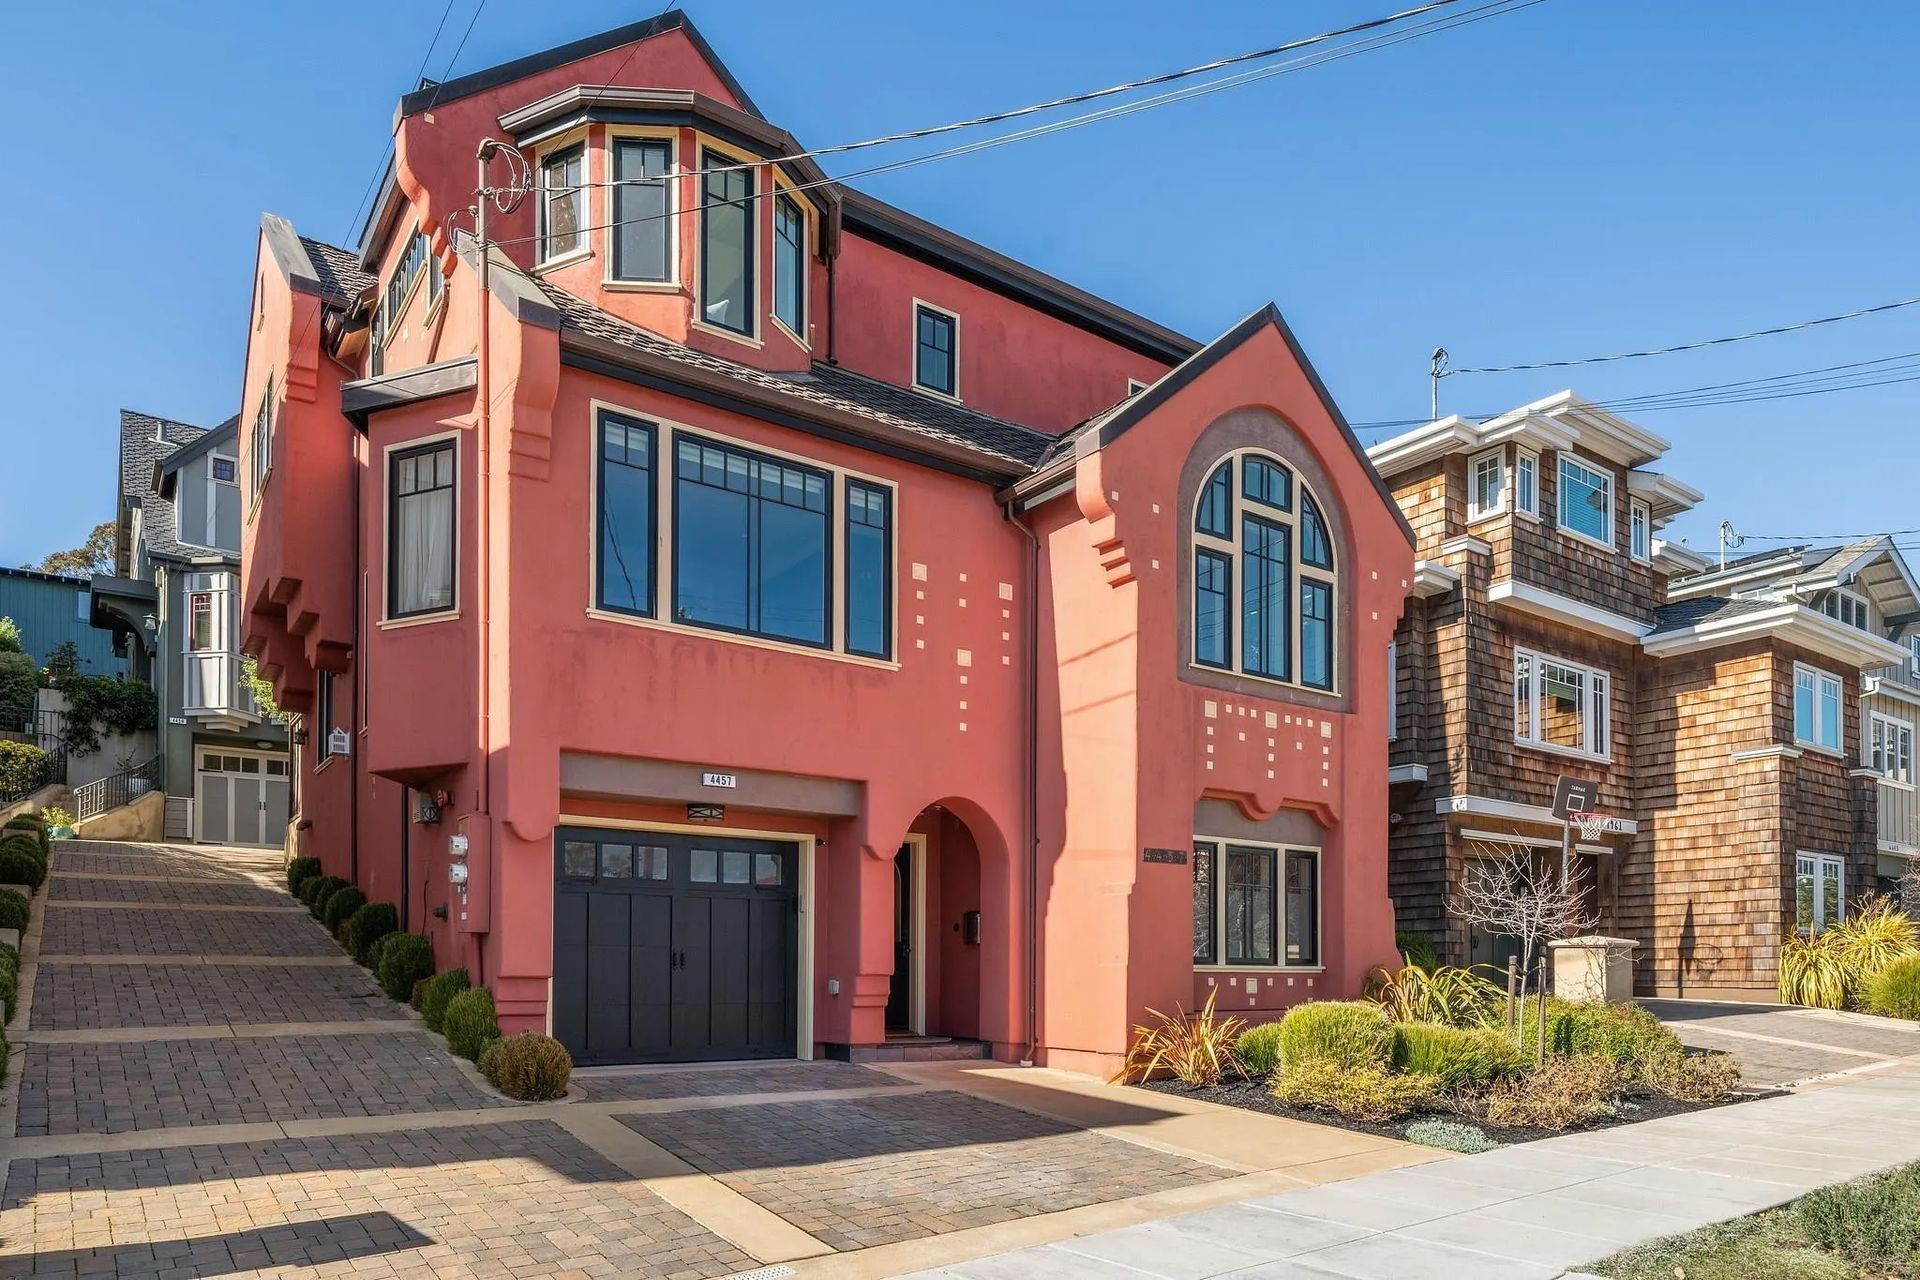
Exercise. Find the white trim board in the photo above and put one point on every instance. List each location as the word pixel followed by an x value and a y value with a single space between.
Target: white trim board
pixel 1488 807
pixel 1806 627
pixel 1524 597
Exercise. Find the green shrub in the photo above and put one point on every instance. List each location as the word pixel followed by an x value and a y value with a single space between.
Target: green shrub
pixel 1351 1033
pixel 437 993
pixel 1259 1049
pixel 34 825
pixel 1624 1033
pixel 314 891
pixel 14 910
pixel 57 819
pixel 1455 1056
pixel 339 907
pixel 1568 1090
pixel 405 960
pixel 470 1022
pixel 1417 949
pixel 9 982
pixel 299 871
pixel 1455 996
pixel 1873 1222
pixel 1363 1091
pixel 366 925
pixel 1450 1135
pixel 1812 972
pixel 19 690
pixel 1694 1077
pixel 21 863
pixel 529 1066
pixel 1895 991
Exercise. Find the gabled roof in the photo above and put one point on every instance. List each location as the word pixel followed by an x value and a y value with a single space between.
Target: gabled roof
pixel 338 269
pixel 1873 564
pixel 1104 428
pixel 226 433
pixel 1682 614
pixel 145 442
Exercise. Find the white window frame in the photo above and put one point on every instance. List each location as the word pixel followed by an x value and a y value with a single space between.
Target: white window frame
pixel 1888 743
pixel 1913 644
pixel 214 482
pixel 207 601
pixel 1818 678
pixel 1639 531
pixel 1825 914
pixel 1596 728
pixel 1280 852
pixel 1393 690
pixel 1560 492
pixel 1526 464
pixel 543 234
pixel 1841 602
pixel 1498 459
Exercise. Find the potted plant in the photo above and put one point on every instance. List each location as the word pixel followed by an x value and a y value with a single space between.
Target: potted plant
pixel 59 822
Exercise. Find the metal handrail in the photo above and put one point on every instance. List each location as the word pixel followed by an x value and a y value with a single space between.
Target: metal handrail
pixel 95 798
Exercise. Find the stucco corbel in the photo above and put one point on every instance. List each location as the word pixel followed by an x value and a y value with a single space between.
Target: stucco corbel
pixel 1090 494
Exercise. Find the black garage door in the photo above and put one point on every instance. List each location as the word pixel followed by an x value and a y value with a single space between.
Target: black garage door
pixel 673 948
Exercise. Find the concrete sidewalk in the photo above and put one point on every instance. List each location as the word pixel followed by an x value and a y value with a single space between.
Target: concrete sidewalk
pixel 1529 1212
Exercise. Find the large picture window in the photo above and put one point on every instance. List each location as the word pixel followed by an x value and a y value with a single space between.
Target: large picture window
pixel 1586 500
pixel 1264 578
pixel 1816 708
pixel 627 530
pixel 1255 905
pixel 1559 706
pixel 420 530
pixel 751 543
pixel 726 245
pixel 563 202
pixel 643 210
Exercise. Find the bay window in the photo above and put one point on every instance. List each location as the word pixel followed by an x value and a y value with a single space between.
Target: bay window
pixel 1890 748
pixel 1255 905
pixel 790 266
pixel 200 622
pixel 643 197
pixel 420 530
pixel 1585 501
pixel 1816 708
pixel 563 202
pixel 1560 706
pixel 1270 565
pixel 726 245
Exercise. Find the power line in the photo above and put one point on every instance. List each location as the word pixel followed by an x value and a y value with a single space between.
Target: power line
pixel 448 71
pixel 1827 537
pixel 1369 44
pixel 1687 346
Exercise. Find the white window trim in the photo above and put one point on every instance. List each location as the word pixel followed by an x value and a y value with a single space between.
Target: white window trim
pixel 583 250
pixel 1820 904
pixel 1840 730
pixel 676 179
pixel 1913 646
pixel 1526 460
pixel 1135 387
pixel 213 494
pixel 1280 852
pixel 1847 593
pixel 1475 512
pixel 913 353
pixel 1888 728
pixel 1560 500
pixel 1298 569
pixel 1393 690
pixel 1598 710
pixel 1640 518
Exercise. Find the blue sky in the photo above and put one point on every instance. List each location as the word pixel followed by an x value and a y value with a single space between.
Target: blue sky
pixel 1580 177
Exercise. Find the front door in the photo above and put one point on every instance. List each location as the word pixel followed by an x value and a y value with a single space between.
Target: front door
pixel 900 985
pixel 673 947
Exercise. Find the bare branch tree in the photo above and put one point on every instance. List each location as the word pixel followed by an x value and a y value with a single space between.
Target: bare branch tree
pixel 1907 892
pixel 1509 889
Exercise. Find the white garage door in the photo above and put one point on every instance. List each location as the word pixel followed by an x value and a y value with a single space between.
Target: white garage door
pixel 240 797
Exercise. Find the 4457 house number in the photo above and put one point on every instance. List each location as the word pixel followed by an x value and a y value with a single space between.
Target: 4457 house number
pixel 726 780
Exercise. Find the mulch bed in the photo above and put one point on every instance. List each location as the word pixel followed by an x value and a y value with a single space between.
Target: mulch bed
pixel 1252 1095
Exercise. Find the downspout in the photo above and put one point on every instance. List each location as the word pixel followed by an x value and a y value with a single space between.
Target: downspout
pixel 833 311
pixel 359 649
pixel 483 432
pixel 1033 783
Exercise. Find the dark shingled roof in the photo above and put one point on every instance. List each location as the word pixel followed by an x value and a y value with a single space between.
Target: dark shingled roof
pixel 339 270
pixel 144 441
pixel 826 386
pixel 1682 614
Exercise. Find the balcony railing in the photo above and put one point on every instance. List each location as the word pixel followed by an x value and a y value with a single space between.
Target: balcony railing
pixel 121 788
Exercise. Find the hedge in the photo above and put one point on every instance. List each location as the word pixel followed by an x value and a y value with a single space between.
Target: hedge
pixel 339 907
pixel 14 910
pixel 405 959
pixel 9 982
pixel 20 865
pixel 437 993
pixel 367 926
pixel 314 891
pixel 299 871
pixel 470 1022
pixel 35 825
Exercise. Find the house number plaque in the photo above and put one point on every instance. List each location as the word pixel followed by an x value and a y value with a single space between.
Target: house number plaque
pixel 1177 857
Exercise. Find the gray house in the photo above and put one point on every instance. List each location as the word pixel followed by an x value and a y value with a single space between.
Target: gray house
pixel 173 605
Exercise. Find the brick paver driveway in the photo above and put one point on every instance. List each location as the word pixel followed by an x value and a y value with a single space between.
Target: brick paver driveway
pixel 1785 1045
pixel 202 1085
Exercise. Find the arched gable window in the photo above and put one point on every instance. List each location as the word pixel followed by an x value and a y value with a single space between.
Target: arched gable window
pixel 1263 574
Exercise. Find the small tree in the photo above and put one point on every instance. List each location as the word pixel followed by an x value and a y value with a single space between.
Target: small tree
pixel 1509 889
pixel 262 690
pixel 95 555
pixel 10 637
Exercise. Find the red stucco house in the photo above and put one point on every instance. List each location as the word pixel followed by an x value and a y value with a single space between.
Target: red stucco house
pixel 763 623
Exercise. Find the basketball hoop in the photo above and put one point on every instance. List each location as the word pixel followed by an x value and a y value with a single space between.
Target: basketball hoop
pixel 1591 825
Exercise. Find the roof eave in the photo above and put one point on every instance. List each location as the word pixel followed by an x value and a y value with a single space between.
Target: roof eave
pixel 1794 623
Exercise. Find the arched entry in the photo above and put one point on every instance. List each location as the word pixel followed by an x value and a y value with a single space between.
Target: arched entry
pixel 935 986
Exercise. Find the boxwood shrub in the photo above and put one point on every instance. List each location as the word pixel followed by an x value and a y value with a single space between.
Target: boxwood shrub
pixel 9 982
pixel 403 961
pixel 21 865
pixel 1349 1033
pixel 470 1022
pixel 367 926
pixel 437 993
pixel 339 908
pixel 314 892
pixel 13 910
pixel 33 824
pixel 299 871
pixel 530 1066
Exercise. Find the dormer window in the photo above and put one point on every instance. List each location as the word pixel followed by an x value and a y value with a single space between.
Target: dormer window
pixel 563 202
pixel 936 343
pixel 726 244
pixel 1586 501
pixel 643 197
pixel 790 265
pixel 1486 485
pixel 1846 606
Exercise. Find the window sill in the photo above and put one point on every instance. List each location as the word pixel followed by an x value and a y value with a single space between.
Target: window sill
pixel 783 327
pixel 1524 514
pixel 326 762
pixel 1484 516
pixel 941 396
pixel 564 260
pixel 1292 685
pixel 642 286
pixel 751 642
pixel 418 620
pixel 1259 968
pixel 1896 784
pixel 720 331
pixel 1578 536
pixel 1570 753
pixel 1820 748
